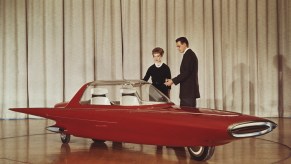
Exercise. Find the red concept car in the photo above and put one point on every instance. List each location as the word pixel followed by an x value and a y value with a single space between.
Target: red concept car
pixel 136 112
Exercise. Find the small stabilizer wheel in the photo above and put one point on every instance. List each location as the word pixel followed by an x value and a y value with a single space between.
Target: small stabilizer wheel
pixel 65 137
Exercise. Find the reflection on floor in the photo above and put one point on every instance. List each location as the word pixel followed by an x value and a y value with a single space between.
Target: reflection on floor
pixel 27 141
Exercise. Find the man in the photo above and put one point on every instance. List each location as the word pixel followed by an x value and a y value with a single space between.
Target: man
pixel 188 77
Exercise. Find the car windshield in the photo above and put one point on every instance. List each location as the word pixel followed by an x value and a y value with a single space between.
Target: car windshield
pixel 123 93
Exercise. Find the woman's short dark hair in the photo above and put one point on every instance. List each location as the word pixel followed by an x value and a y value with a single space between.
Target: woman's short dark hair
pixel 158 50
pixel 183 40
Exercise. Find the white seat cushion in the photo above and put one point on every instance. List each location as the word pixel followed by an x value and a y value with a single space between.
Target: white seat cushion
pixel 99 91
pixel 99 96
pixel 128 97
pixel 100 101
pixel 129 100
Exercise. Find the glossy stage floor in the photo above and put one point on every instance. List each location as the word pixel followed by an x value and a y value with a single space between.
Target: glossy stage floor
pixel 27 141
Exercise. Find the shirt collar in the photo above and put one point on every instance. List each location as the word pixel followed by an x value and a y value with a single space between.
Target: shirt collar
pixel 185 50
pixel 158 64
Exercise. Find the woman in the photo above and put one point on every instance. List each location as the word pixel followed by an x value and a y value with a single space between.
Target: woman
pixel 159 72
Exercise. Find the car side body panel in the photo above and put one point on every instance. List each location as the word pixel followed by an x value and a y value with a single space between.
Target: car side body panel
pixel 171 126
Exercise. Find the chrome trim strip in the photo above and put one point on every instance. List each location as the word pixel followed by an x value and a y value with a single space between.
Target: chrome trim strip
pixel 270 126
pixel 54 129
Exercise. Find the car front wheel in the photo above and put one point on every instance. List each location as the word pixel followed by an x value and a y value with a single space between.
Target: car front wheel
pixel 201 153
pixel 65 137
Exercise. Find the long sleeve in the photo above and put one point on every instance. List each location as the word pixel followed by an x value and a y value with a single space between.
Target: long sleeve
pixel 147 75
pixel 168 74
pixel 186 68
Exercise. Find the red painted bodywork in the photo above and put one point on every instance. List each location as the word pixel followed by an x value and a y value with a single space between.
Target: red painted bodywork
pixel 160 124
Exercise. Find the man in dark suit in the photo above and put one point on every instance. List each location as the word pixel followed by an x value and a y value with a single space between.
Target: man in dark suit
pixel 188 77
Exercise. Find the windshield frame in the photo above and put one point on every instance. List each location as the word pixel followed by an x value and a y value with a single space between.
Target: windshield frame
pixel 146 93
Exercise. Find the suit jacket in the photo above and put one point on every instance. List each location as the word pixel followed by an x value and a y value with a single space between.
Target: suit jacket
pixel 188 77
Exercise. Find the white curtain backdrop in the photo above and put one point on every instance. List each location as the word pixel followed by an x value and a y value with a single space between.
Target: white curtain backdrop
pixel 49 48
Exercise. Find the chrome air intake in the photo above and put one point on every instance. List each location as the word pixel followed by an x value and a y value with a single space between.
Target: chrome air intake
pixel 54 129
pixel 251 129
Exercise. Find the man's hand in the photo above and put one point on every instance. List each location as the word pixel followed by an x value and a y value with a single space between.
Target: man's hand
pixel 168 82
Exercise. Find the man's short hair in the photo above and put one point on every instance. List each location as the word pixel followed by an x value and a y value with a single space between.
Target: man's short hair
pixel 183 40
pixel 158 50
